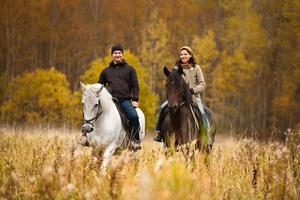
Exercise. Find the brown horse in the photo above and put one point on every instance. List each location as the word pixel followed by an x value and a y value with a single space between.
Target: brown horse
pixel 180 119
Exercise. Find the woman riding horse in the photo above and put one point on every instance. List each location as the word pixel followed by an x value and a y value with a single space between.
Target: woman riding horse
pixel 193 76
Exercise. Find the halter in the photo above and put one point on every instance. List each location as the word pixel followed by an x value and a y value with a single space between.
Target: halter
pixel 181 100
pixel 99 112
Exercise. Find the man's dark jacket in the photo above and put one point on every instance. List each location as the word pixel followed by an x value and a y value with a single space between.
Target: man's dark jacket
pixel 121 81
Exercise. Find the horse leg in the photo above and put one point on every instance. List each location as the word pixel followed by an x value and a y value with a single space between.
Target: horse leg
pixel 165 139
pixel 108 153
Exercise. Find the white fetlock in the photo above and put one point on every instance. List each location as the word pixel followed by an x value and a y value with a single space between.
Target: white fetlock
pixel 136 145
pixel 84 141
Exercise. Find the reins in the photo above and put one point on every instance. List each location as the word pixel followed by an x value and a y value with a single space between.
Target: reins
pixel 99 112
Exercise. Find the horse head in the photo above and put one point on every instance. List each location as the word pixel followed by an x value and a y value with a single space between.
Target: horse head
pixel 177 89
pixel 91 105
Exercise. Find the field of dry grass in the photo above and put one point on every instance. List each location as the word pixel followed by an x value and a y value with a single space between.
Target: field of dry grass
pixel 48 164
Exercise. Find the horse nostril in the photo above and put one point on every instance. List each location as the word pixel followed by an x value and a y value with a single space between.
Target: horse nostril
pixel 87 128
pixel 173 109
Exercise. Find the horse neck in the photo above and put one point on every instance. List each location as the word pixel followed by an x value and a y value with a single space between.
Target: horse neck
pixel 106 101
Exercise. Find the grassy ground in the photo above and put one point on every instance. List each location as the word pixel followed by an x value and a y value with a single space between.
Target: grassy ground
pixel 48 164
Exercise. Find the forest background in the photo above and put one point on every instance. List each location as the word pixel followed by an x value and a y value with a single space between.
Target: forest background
pixel 249 51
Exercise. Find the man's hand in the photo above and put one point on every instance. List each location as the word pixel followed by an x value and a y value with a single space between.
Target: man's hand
pixel 135 104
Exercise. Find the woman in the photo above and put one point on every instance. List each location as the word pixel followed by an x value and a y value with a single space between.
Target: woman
pixel 194 77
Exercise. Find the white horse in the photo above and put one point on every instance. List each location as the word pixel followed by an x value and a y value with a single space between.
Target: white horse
pixel 102 121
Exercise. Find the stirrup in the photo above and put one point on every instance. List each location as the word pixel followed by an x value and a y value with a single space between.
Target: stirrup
pixel 158 137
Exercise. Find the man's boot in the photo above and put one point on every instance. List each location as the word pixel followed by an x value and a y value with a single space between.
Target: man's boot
pixel 136 143
pixel 158 137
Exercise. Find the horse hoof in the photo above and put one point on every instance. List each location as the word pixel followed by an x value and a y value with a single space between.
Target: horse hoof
pixel 157 138
pixel 208 149
pixel 136 146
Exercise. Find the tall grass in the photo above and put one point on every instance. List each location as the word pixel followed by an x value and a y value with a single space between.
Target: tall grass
pixel 48 164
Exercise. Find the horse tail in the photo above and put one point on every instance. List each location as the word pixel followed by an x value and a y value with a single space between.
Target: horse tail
pixel 212 121
pixel 202 133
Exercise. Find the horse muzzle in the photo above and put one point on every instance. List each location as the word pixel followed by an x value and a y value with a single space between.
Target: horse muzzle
pixel 87 128
pixel 173 109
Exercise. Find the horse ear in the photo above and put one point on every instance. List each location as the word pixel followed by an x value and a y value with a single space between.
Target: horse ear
pixel 83 87
pixel 166 71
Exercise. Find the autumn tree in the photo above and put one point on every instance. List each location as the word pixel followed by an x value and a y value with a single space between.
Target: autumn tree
pixel 226 36
pixel 206 54
pixel 153 52
pixel 281 23
pixel 41 97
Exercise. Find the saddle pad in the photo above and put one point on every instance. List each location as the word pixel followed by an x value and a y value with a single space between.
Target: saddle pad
pixel 124 119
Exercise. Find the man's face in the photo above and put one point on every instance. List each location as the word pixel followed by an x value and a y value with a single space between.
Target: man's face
pixel 117 56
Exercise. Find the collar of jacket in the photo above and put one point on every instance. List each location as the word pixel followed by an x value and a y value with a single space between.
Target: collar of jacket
pixel 120 64
pixel 186 66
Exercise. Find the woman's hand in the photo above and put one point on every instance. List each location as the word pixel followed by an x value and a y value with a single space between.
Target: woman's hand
pixel 135 104
pixel 192 90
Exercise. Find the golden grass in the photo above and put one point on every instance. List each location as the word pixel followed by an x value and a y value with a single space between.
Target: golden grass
pixel 48 164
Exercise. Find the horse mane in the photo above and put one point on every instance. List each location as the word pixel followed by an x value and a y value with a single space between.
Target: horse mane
pixel 187 93
pixel 186 90
pixel 93 89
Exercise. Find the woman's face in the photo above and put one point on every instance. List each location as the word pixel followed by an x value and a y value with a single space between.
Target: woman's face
pixel 185 56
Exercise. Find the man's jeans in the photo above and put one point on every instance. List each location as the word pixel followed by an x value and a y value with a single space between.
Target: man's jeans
pixel 159 121
pixel 133 118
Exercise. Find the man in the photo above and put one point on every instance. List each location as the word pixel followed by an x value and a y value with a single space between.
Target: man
pixel 121 81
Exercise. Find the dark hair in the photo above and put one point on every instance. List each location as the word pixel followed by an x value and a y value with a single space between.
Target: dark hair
pixel 192 61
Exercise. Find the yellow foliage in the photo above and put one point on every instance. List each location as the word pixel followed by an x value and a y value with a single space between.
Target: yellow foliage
pixel 283 103
pixel 153 53
pixel 205 49
pixel 233 78
pixel 41 97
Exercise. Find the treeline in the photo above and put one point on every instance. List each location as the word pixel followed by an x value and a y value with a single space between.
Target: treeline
pixel 249 50
pixel 44 97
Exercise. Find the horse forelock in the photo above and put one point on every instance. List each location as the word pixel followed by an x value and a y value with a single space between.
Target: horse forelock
pixel 95 91
pixel 176 77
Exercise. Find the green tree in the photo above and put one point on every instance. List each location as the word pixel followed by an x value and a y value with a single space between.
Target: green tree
pixel 148 101
pixel 41 97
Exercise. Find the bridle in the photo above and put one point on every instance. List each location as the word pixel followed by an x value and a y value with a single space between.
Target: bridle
pixel 181 100
pixel 99 112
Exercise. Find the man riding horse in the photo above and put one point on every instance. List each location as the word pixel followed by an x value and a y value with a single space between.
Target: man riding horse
pixel 121 81
pixel 193 76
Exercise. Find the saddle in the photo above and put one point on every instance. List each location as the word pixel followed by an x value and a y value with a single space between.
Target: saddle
pixel 124 119
pixel 196 111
